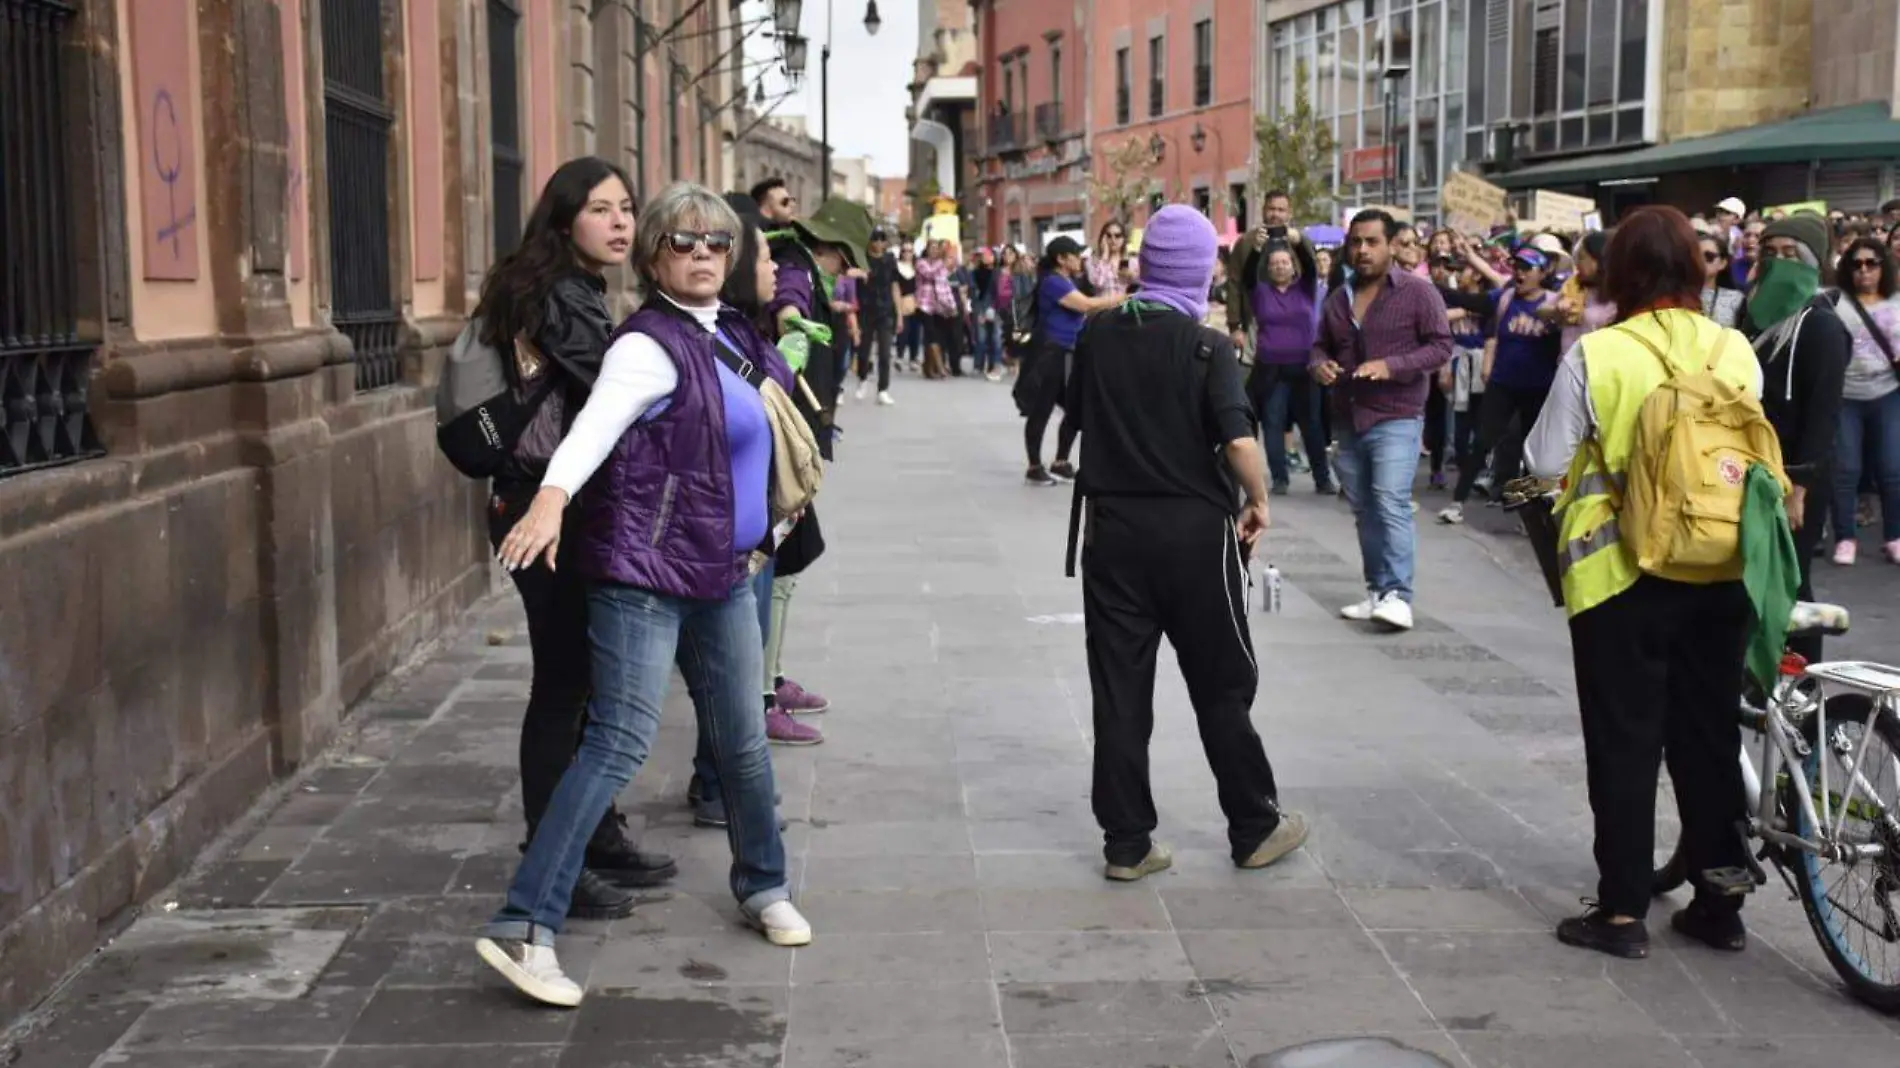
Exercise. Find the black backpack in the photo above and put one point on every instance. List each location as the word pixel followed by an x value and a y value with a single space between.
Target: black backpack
pixel 479 414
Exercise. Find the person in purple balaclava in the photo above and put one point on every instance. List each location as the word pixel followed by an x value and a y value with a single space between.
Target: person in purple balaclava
pixel 1168 444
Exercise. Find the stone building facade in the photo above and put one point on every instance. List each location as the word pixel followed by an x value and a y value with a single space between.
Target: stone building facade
pixel 1727 64
pixel 239 236
pixel 772 146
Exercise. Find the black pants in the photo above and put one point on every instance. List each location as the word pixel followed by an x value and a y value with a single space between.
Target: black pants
pixel 1155 566
pixel 1503 422
pixel 1436 408
pixel 1813 523
pixel 1039 391
pixel 1659 673
pixel 556 603
pixel 882 336
pixel 1464 435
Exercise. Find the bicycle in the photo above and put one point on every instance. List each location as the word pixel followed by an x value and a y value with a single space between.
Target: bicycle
pixel 1830 827
pixel 1839 709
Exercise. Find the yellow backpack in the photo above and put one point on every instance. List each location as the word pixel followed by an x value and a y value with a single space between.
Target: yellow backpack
pixel 1696 437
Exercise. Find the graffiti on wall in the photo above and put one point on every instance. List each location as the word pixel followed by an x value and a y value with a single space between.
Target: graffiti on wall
pixel 167 138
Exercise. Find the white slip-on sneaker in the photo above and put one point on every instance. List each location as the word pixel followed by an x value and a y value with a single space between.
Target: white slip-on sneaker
pixel 1393 611
pixel 782 924
pixel 532 969
pixel 886 399
pixel 1361 611
pixel 864 389
pixel 1452 515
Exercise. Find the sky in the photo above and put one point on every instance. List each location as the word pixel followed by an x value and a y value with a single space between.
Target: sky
pixel 868 77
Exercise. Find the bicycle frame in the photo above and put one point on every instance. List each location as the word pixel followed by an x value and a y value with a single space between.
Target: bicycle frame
pixel 1784 750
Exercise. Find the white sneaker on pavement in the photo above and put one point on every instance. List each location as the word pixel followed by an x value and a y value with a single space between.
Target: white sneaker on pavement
pixel 1361 611
pixel 1452 515
pixel 1394 611
pixel 532 969
pixel 782 924
pixel 864 389
pixel 884 397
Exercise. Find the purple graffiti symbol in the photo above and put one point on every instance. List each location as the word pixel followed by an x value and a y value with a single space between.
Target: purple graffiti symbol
pixel 165 120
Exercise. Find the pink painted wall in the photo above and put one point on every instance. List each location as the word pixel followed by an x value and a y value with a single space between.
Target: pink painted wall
pixel 297 192
pixel 167 170
pixel 542 116
pixel 425 136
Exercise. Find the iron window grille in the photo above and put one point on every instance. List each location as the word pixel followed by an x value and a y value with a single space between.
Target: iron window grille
pixel 45 362
pixel 504 123
pixel 356 125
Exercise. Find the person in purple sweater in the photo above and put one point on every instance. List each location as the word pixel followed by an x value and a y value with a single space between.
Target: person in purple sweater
pixel 1380 339
pixel 1284 302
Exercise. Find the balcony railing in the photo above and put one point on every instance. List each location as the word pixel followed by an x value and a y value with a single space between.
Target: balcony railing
pixel 1006 132
pixel 1203 85
pixel 1049 120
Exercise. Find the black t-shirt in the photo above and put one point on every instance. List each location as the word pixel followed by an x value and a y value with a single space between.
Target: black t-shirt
pixel 1159 395
pixel 874 293
pixel 1479 309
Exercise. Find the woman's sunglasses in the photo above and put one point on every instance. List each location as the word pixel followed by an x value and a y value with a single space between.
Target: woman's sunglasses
pixel 1711 257
pixel 1115 235
pixel 1864 264
pixel 683 242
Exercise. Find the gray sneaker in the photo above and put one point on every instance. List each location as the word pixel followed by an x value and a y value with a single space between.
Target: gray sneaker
pixel 1159 858
pixel 1288 836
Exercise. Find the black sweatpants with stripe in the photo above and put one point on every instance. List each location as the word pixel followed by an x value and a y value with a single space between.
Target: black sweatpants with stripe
pixel 1170 566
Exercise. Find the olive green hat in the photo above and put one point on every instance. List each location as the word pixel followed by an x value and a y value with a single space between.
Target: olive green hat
pixel 843 223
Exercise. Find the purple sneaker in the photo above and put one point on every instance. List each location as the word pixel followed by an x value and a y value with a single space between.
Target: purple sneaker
pixel 782 729
pixel 799 701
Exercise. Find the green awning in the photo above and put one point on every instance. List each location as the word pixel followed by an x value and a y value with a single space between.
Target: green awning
pixel 1856 132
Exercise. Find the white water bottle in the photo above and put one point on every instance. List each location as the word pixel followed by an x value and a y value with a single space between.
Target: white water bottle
pixel 1270 584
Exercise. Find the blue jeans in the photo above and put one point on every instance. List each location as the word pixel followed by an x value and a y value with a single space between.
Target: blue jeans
pixel 1868 426
pixel 989 344
pixel 1377 469
pixel 704 765
pixel 1283 392
pixel 636 636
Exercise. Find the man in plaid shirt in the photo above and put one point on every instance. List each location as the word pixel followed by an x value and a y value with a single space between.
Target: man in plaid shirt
pixel 1381 338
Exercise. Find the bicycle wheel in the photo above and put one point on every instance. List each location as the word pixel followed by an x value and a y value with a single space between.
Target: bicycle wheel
pixel 1854 905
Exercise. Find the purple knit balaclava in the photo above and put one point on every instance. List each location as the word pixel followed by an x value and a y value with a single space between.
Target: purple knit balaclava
pixel 1178 249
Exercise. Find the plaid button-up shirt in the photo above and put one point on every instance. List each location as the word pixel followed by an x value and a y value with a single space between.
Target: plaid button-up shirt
pixel 1406 327
pixel 934 295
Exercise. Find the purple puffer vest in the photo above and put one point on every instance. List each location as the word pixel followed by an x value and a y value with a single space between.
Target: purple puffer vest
pixel 658 513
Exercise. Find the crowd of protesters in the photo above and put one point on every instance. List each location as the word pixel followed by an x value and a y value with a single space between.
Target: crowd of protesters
pixel 673 460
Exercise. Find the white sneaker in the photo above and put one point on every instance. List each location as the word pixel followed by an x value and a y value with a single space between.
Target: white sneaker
pixel 1361 611
pixel 1394 611
pixel 884 397
pixel 1452 515
pixel 532 969
pixel 782 924
pixel 864 389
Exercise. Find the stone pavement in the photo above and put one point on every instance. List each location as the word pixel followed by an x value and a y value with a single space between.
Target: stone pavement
pixel 945 852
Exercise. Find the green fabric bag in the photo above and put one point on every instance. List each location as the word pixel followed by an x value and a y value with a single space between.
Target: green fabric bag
pixel 1771 571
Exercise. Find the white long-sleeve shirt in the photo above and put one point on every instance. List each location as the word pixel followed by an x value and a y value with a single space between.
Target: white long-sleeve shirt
pixel 635 375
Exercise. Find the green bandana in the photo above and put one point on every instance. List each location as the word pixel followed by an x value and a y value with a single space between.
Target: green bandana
pixel 1784 288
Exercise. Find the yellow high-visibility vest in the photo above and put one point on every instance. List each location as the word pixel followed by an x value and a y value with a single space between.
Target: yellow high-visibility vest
pixel 1591 556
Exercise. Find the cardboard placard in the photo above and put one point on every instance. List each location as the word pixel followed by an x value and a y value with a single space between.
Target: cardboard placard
pixel 1557 211
pixel 1472 205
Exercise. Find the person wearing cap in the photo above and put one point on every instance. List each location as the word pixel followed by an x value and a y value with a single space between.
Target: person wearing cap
pixel 1520 362
pixel 1381 338
pixel 1060 307
pixel 1168 446
pixel 1728 217
pixel 879 301
pixel 1804 350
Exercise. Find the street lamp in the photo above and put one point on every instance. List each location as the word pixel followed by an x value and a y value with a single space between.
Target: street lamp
pixel 1198 138
pixel 872 23
pixel 785 16
pixel 795 48
pixel 1157 147
pixel 1394 73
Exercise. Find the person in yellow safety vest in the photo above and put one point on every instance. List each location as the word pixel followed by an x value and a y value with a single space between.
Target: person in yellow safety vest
pixel 1659 663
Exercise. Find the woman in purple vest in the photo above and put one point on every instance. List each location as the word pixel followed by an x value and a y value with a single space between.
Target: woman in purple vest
pixel 675 452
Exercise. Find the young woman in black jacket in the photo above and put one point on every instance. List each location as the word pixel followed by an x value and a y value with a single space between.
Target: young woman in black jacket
pixel 551 293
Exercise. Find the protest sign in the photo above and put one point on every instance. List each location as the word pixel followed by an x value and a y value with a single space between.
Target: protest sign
pixel 1470 204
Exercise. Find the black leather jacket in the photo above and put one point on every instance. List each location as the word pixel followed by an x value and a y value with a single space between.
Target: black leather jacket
pixel 575 326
